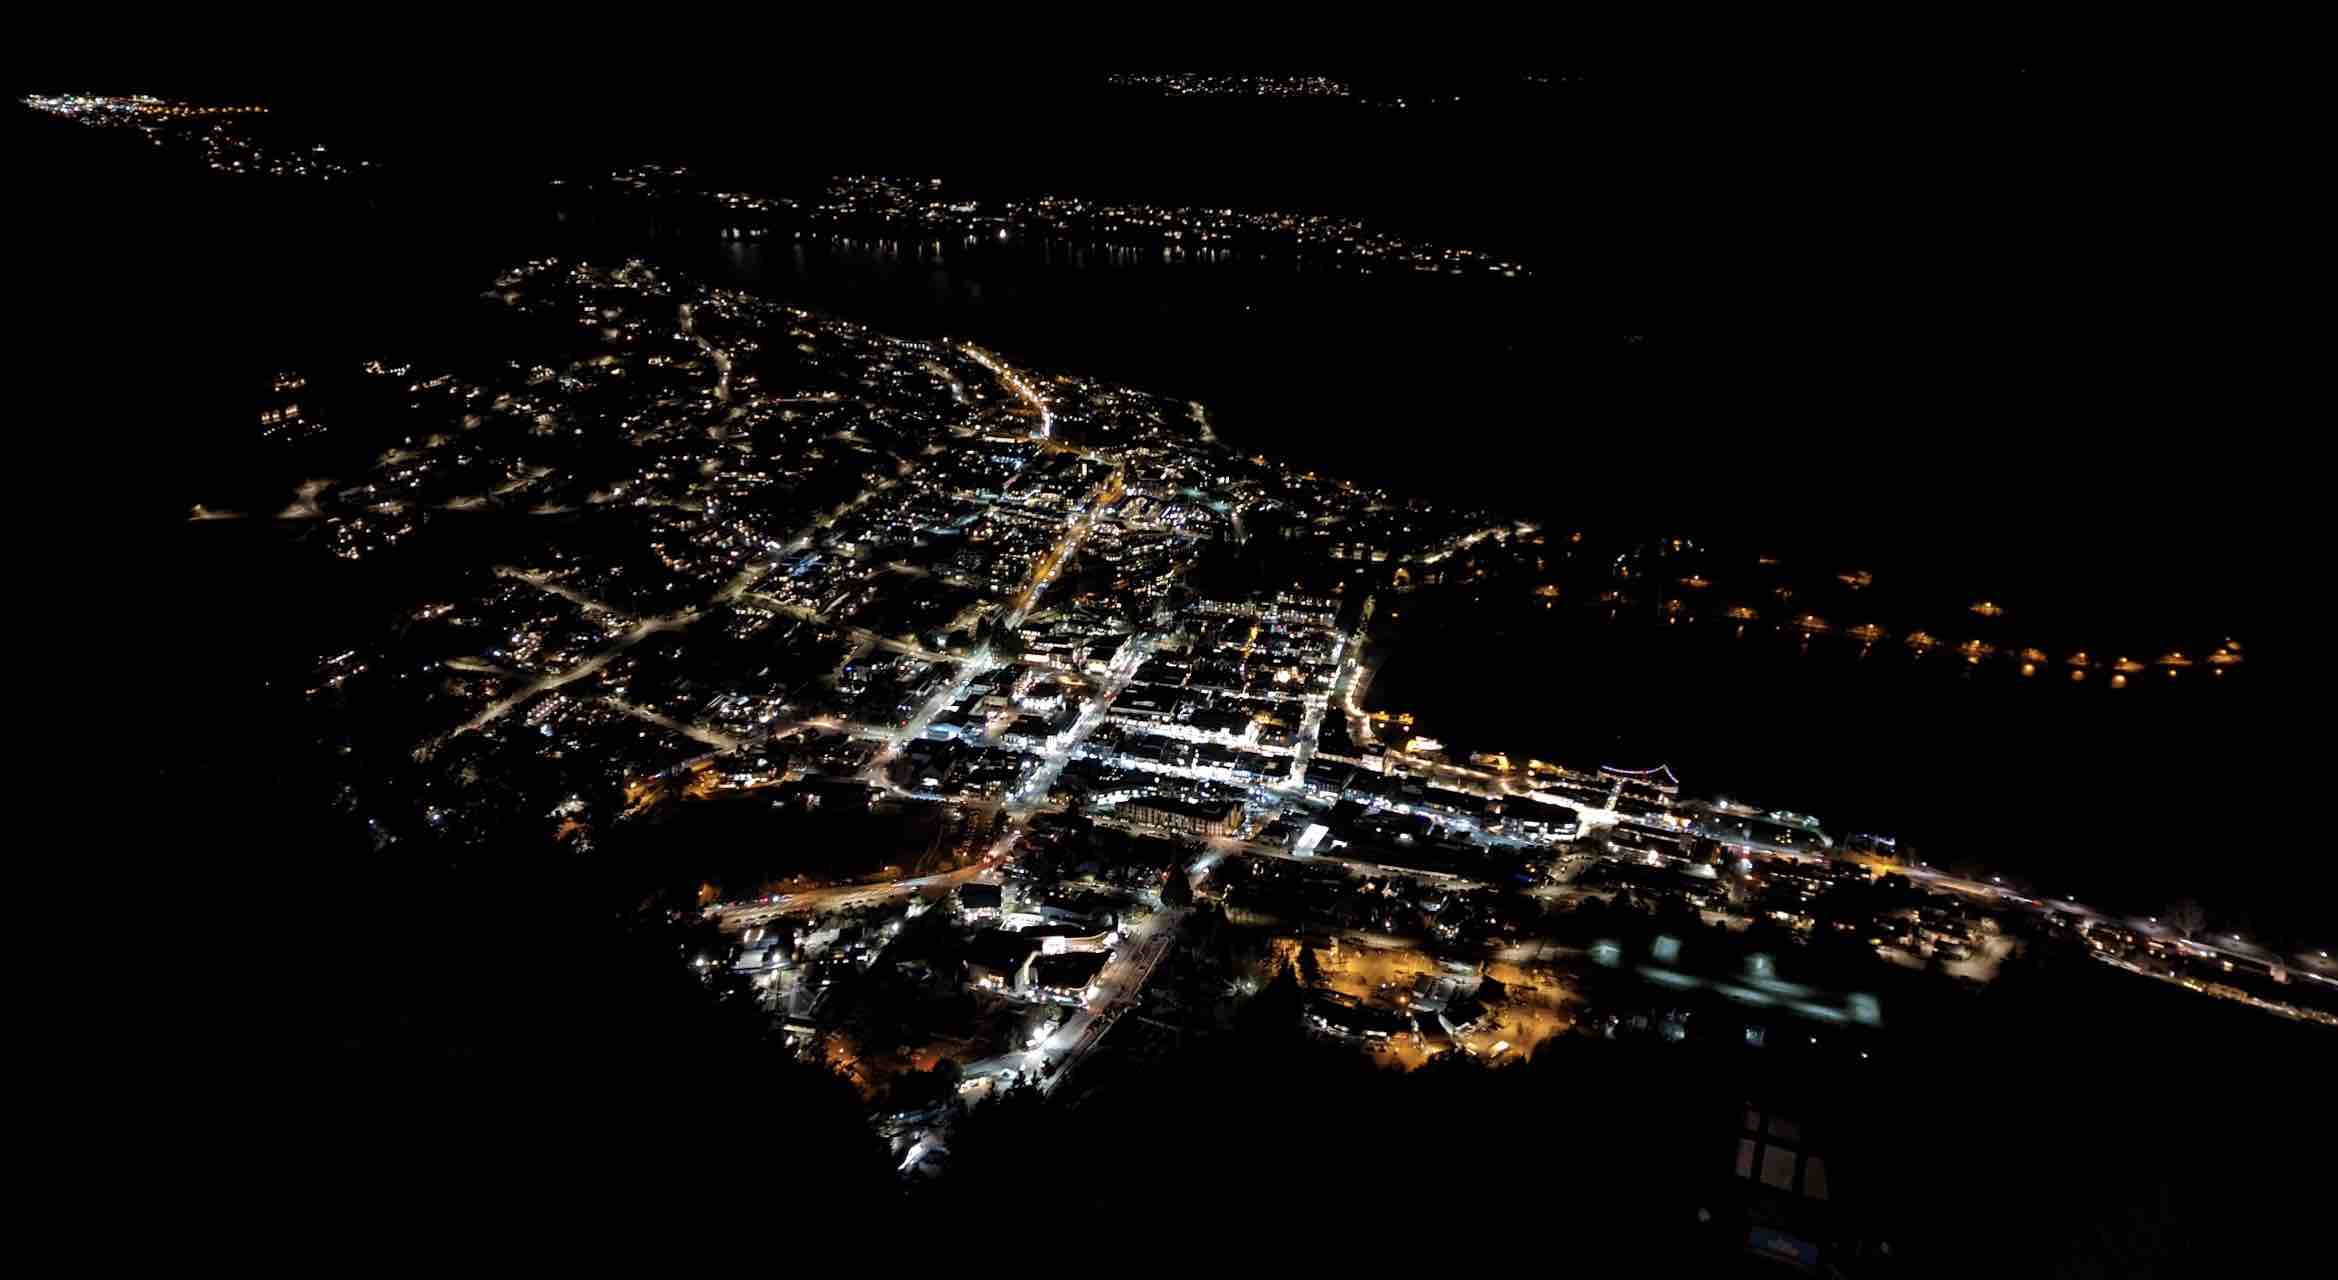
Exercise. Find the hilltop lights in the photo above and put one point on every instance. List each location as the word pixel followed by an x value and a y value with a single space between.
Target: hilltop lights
pixel 135 106
pixel 906 207
pixel 1194 85
pixel 226 149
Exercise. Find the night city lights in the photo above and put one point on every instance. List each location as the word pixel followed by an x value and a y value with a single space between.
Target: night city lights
pixel 785 647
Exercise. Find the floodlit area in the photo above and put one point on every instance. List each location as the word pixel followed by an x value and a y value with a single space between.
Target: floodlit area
pixel 1532 1008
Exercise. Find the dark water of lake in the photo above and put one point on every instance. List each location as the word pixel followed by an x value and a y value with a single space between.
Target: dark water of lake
pixel 2126 798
